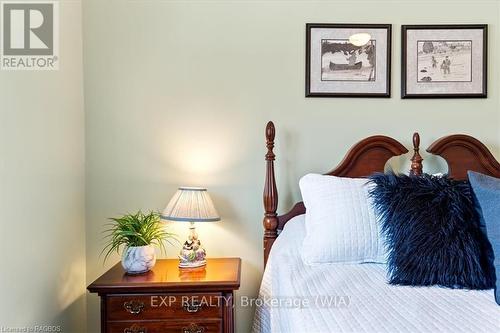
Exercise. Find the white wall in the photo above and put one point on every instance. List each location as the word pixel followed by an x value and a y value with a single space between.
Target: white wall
pixel 42 247
pixel 178 93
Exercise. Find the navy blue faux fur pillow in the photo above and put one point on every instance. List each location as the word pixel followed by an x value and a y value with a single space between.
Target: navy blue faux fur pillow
pixel 432 232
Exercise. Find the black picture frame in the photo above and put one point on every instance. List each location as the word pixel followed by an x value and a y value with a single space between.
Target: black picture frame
pixel 404 60
pixel 387 76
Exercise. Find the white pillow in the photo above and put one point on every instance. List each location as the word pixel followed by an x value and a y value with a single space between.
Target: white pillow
pixel 341 225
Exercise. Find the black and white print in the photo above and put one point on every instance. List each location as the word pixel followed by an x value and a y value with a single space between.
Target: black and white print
pixel 444 61
pixel 348 60
pixel 343 61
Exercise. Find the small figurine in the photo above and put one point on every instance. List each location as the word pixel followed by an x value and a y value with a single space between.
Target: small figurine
pixel 192 253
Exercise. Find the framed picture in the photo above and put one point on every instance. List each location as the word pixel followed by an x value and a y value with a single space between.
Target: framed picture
pixel 444 61
pixel 348 60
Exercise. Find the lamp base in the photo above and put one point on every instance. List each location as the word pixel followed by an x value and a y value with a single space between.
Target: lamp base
pixel 192 254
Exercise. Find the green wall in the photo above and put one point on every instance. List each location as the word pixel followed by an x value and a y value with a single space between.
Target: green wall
pixel 42 189
pixel 178 93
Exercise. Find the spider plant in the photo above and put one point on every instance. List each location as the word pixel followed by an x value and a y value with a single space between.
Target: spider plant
pixel 137 229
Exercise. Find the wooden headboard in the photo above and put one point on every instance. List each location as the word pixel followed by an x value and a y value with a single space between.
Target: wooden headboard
pixel 463 153
pixel 370 155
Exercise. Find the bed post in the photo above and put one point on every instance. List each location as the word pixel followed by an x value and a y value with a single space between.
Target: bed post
pixel 416 160
pixel 270 195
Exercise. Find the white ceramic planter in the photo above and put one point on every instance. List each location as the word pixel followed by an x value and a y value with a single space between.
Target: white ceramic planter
pixel 138 259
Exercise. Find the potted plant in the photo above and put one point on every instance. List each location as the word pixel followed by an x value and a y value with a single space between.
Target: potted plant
pixel 139 233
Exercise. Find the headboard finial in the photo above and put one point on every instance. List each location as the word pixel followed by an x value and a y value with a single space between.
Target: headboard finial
pixel 416 160
pixel 270 134
pixel 416 140
pixel 270 131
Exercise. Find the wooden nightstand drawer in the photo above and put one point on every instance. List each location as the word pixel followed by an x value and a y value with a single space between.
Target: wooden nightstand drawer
pixel 169 299
pixel 164 306
pixel 197 326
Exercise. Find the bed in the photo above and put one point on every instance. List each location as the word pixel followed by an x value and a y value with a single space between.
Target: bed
pixel 356 297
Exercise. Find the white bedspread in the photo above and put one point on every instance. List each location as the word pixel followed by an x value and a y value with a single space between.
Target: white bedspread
pixel 360 299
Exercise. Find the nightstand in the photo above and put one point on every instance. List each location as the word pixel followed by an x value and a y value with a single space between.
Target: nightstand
pixel 169 299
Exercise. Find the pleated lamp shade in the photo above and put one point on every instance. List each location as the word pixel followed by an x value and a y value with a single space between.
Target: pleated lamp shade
pixel 191 204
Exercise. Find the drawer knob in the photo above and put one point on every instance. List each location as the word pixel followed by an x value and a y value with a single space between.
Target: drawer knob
pixel 192 306
pixel 135 329
pixel 133 307
pixel 193 328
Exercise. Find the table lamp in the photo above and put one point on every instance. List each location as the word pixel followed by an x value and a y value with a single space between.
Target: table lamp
pixel 191 204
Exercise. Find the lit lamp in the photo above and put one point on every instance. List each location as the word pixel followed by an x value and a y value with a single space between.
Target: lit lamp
pixel 191 204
